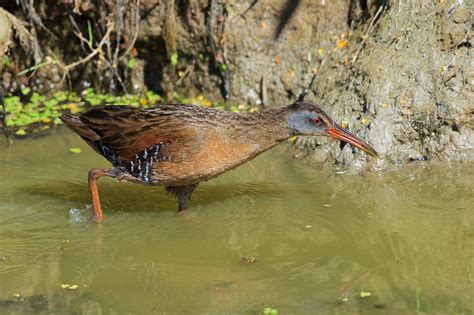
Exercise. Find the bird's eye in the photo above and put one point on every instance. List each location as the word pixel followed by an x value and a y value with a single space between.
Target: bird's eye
pixel 317 121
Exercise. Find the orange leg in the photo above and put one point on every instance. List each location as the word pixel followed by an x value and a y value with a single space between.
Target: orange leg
pixel 94 175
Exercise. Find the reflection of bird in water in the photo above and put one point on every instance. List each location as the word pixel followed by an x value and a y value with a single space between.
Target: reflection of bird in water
pixel 179 146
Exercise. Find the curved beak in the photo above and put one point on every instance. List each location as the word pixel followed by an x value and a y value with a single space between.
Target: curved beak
pixel 337 132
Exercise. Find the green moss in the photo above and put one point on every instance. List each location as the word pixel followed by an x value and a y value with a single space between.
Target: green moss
pixel 33 112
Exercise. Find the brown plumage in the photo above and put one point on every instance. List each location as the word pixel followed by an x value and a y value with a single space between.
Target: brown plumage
pixel 179 146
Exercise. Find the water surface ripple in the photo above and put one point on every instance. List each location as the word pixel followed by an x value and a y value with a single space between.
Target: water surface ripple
pixel 274 233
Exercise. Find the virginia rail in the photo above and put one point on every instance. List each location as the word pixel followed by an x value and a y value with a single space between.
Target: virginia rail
pixel 179 146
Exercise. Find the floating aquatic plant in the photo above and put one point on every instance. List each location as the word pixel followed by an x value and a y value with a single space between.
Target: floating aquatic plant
pixel 31 112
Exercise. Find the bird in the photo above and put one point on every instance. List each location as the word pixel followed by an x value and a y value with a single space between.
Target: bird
pixel 178 146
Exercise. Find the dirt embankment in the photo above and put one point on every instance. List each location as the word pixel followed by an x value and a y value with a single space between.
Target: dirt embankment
pixel 397 73
pixel 410 92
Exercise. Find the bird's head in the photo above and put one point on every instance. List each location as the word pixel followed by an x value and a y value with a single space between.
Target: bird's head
pixel 310 120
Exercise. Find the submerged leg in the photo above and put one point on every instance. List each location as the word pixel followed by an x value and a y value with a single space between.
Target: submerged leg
pixel 94 175
pixel 183 193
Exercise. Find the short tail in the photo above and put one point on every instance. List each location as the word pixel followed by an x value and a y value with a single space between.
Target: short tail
pixel 78 126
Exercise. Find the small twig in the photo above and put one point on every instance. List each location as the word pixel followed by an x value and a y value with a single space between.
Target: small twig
pixel 114 73
pixel 468 31
pixel 118 29
pixel 368 32
pixel 83 40
pixel 188 70
pixel 89 43
pixel 97 50
pixel 135 35
pixel 263 92
pixel 306 90
pixel 254 2
pixel 36 18
pixel 36 66
pixel 78 33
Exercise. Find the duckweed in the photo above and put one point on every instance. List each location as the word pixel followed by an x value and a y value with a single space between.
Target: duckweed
pixel 31 112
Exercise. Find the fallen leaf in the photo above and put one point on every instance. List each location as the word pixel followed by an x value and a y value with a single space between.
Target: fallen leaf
pixel 67 286
pixel 248 260
pixel 345 122
pixel 341 43
pixel 292 139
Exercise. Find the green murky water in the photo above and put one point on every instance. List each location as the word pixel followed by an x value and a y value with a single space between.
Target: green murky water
pixel 402 239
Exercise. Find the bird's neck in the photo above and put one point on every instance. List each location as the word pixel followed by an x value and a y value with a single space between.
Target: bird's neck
pixel 266 129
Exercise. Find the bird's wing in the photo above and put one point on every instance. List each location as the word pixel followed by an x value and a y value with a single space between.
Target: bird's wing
pixel 128 131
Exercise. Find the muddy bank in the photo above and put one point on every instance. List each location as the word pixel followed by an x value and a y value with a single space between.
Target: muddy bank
pixel 229 49
pixel 410 90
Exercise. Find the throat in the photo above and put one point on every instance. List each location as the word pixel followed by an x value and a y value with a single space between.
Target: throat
pixel 265 129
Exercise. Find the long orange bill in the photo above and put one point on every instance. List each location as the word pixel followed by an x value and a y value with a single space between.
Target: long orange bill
pixel 337 132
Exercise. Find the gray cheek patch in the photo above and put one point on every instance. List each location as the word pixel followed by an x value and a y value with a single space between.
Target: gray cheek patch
pixel 300 122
